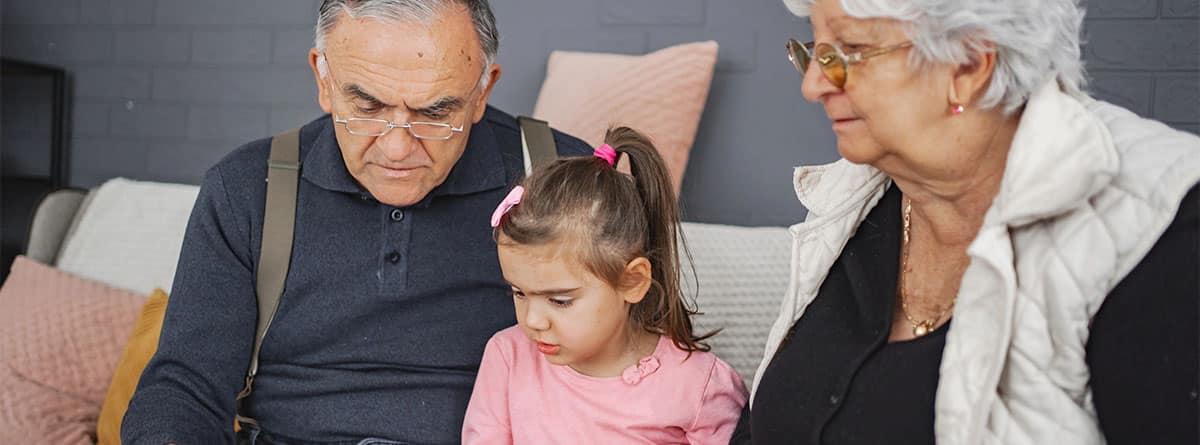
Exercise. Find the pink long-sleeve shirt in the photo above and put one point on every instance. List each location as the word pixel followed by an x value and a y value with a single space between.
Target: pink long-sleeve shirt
pixel 521 398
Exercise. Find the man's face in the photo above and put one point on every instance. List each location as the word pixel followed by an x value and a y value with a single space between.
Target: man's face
pixel 403 72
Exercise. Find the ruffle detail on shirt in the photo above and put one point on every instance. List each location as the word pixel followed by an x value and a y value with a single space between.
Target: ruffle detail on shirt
pixel 644 367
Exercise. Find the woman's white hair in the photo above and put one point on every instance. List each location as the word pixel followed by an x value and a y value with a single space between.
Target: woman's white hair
pixel 1034 40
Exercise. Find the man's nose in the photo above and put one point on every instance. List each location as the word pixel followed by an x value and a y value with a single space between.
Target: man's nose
pixel 398 144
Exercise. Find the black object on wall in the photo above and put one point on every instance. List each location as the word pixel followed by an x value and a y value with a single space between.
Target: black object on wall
pixel 35 155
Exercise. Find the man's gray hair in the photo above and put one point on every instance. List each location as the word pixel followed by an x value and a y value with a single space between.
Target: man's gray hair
pixel 1034 40
pixel 420 11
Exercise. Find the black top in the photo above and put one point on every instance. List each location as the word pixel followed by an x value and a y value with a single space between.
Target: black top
pixel 384 318
pixel 836 380
pixel 896 387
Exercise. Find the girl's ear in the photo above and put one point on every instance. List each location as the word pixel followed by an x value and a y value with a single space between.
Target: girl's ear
pixel 635 281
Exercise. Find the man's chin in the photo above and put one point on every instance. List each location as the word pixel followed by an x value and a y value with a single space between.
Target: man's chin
pixel 397 191
pixel 401 202
pixel 400 195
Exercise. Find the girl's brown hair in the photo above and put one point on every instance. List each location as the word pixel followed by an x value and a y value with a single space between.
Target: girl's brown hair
pixel 613 218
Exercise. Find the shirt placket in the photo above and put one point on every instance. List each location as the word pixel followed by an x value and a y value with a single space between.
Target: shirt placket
pixel 394 250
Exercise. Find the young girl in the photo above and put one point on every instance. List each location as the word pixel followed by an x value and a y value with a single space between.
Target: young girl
pixel 603 351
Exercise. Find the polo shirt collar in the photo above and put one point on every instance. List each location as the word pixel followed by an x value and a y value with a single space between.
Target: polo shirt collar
pixel 481 166
pixel 324 166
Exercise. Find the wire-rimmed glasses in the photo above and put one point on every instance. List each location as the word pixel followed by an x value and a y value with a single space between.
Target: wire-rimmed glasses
pixel 435 131
pixel 371 127
pixel 830 59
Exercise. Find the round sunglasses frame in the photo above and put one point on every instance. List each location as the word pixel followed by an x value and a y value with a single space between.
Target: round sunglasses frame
pixel 832 61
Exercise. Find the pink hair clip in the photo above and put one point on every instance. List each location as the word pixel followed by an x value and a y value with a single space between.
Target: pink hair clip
pixel 510 201
pixel 607 153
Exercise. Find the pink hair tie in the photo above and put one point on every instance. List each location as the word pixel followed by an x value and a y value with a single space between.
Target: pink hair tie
pixel 606 153
pixel 510 201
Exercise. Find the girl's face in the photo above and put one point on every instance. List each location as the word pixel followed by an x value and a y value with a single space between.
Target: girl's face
pixel 576 318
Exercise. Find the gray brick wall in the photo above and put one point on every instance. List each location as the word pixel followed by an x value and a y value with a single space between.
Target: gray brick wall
pixel 1145 55
pixel 161 88
pixel 164 88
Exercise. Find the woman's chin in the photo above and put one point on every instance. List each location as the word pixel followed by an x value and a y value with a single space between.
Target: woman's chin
pixel 858 152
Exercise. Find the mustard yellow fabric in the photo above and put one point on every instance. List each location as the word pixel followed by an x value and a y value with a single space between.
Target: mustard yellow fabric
pixel 141 346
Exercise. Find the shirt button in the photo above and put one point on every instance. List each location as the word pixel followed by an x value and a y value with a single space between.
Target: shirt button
pixel 397 215
pixel 833 400
pixel 393 257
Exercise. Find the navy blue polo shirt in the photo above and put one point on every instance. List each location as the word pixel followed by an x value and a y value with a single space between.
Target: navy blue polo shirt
pixel 386 310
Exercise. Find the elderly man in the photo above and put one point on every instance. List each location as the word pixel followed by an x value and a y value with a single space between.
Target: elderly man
pixel 394 285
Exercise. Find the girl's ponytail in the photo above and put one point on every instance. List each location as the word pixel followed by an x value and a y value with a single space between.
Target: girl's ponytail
pixel 665 308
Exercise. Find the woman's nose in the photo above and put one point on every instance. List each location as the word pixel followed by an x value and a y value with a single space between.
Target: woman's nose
pixel 814 85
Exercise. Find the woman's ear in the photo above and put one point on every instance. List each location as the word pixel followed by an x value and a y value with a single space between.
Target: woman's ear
pixel 635 281
pixel 971 79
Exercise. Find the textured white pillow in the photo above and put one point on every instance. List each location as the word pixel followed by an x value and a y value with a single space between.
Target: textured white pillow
pixel 743 273
pixel 130 234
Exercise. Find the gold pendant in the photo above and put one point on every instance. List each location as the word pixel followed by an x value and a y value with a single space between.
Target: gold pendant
pixel 921 328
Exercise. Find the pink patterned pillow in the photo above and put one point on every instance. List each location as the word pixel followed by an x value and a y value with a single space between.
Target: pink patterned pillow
pixel 60 339
pixel 660 94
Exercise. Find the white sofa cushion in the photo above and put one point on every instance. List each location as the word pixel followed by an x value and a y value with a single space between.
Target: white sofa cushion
pixel 743 273
pixel 129 234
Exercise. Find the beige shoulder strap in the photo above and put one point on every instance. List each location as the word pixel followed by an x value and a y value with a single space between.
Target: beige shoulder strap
pixel 537 142
pixel 279 220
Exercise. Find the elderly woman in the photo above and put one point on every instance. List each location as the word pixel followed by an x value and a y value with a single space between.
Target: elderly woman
pixel 998 258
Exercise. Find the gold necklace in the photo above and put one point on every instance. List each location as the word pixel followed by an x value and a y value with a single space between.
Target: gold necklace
pixel 920 327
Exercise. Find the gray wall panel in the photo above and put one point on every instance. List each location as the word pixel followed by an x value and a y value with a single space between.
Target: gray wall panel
pixel 163 88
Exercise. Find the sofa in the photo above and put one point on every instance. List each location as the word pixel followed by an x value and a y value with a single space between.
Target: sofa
pixel 93 256
pixel 126 235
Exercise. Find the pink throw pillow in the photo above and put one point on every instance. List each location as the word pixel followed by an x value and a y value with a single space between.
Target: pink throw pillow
pixel 660 94
pixel 61 336
pixel 31 413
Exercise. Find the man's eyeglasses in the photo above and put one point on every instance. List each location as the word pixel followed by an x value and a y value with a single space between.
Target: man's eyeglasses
pixel 359 126
pixel 435 131
pixel 830 59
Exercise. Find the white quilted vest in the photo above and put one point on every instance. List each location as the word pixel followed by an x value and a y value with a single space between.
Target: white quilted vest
pixel 1088 188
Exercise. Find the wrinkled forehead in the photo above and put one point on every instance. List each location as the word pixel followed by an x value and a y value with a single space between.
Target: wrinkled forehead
pixel 445 48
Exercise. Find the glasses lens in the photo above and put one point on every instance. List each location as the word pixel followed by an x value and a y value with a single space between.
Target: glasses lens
pixel 430 130
pixel 832 65
pixel 366 127
pixel 799 55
